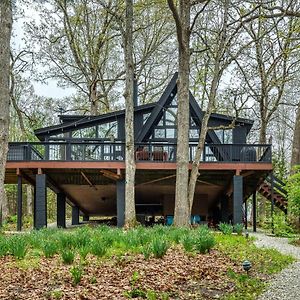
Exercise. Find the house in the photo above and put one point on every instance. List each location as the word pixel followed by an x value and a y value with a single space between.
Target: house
pixel 82 160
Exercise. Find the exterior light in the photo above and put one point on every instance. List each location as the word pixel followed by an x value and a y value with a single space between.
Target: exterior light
pixel 247 234
pixel 246 265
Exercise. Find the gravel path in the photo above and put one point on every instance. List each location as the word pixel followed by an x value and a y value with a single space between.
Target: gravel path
pixel 286 284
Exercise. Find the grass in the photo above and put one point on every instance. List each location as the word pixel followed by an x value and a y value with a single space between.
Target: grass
pixel 106 242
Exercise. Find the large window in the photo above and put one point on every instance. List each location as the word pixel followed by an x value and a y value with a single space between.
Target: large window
pixel 108 130
pixel 224 135
pixel 89 132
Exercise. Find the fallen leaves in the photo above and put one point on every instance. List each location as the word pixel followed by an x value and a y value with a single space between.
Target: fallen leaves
pixel 181 275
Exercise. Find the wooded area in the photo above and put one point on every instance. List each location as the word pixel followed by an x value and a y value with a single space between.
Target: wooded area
pixel 240 58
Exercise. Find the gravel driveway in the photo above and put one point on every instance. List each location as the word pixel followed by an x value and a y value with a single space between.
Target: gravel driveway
pixel 286 284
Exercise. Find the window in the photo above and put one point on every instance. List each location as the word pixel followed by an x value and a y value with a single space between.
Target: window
pixel 170 133
pixel 224 135
pixel 108 130
pixel 89 132
pixel 194 133
pixel 171 116
pixel 146 117
pixel 159 133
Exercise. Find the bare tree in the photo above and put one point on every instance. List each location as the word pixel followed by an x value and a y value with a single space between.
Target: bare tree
pixel 181 16
pixel 127 34
pixel 5 36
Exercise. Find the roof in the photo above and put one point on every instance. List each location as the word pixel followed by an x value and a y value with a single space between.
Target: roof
pixel 71 122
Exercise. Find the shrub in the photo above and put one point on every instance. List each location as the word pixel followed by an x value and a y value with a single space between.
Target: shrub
pixel 76 273
pixel 238 228
pixel 67 256
pixel 281 226
pixel 98 248
pixel 159 247
pixel 188 242
pixel 81 239
pixel 83 252
pixel 146 250
pixel 205 242
pixel 17 247
pixel 226 228
pixel 3 247
pixel 67 240
pixel 49 249
pixel 293 188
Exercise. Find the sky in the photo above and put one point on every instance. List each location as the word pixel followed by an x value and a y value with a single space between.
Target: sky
pixel 50 89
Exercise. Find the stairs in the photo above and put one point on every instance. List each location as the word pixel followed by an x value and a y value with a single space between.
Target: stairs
pixel 279 192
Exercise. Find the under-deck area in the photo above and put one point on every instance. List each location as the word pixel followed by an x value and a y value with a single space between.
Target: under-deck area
pixel 96 188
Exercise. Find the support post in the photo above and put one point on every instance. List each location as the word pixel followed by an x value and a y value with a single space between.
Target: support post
pixel 237 199
pixel 246 215
pixel 19 204
pixel 75 215
pixel 40 202
pixel 85 218
pixel 272 202
pixel 61 210
pixel 224 209
pixel 254 211
pixel 120 202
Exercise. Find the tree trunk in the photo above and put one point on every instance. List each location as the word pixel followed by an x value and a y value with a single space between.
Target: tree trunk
pixel 130 217
pixel 182 21
pixel 217 72
pixel 94 99
pixel 5 35
pixel 296 141
pixel 263 131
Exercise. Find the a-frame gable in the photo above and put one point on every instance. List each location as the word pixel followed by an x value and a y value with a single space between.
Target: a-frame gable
pixel 166 98
pixel 157 111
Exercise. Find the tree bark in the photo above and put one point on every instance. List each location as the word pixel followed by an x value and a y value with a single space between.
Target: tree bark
pixel 217 72
pixel 182 21
pixel 130 217
pixel 94 99
pixel 5 36
pixel 296 140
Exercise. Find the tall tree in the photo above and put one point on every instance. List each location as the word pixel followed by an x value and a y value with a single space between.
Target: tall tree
pixel 181 16
pixel 270 59
pixel 5 36
pixel 127 34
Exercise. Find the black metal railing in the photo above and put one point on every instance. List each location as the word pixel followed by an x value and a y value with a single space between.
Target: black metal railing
pixel 151 151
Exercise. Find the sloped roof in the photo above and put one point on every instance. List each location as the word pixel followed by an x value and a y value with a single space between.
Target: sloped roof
pixel 72 122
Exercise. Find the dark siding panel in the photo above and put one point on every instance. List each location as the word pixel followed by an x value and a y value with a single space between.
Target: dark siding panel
pixel 61 210
pixel 239 135
pixel 40 207
pixel 121 202
pixel 237 199
pixel 75 215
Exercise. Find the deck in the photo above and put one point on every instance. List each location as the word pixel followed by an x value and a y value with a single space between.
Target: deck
pixel 88 173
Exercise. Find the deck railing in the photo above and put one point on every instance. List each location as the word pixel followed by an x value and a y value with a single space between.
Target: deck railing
pixel 115 151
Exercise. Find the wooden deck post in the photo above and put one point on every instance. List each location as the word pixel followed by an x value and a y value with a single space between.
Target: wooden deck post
pixel 120 202
pixel 61 210
pixel 75 215
pixel 19 204
pixel 40 202
pixel 272 202
pixel 254 211
pixel 237 199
